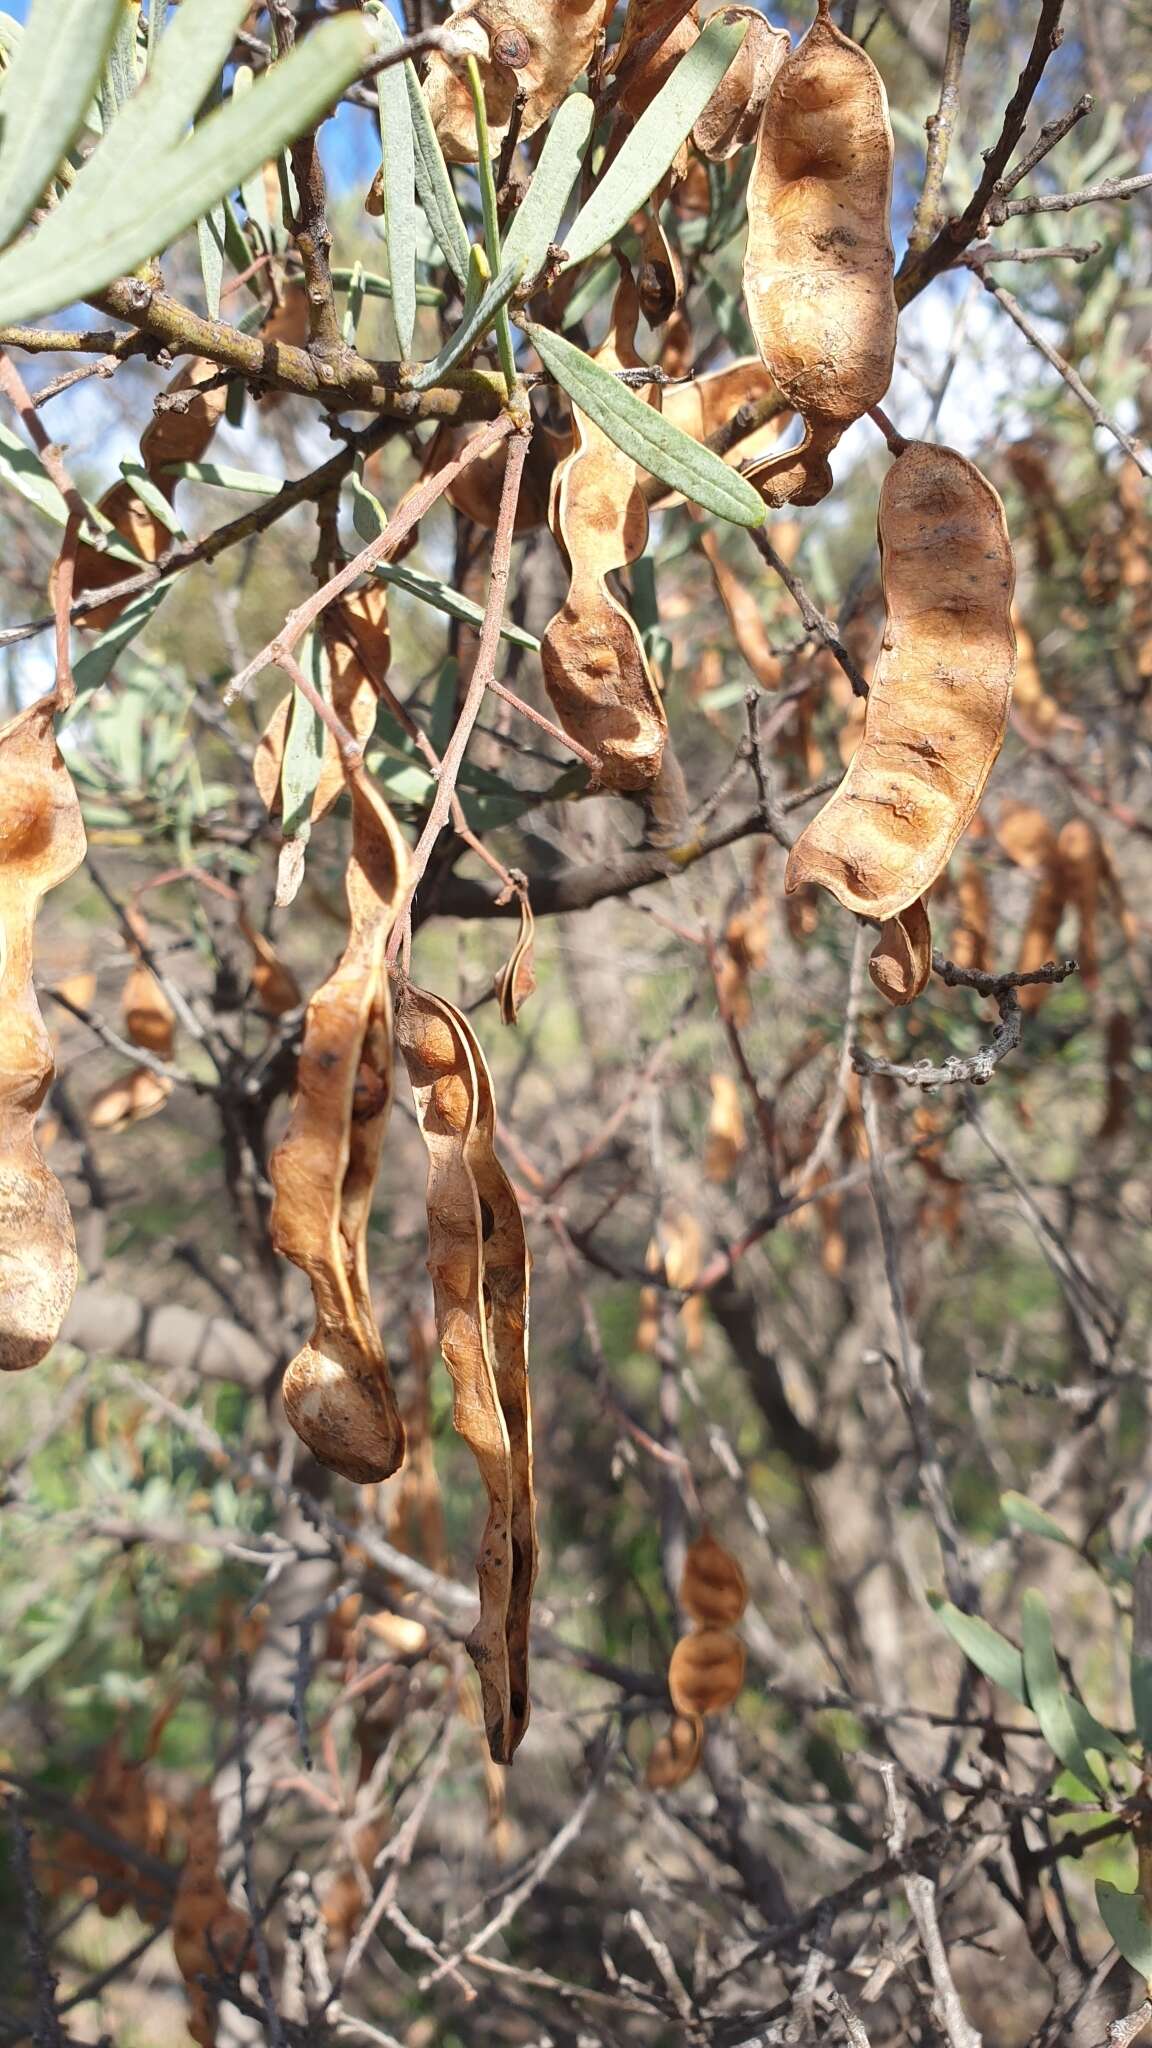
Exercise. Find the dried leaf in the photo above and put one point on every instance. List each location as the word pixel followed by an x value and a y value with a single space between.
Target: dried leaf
pixel 901 960
pixel 818 268
pixel 208 1933
pixel 337 1391
pixel 41 844
pixel 706 1672
pixel 938 705
pixel 713 1590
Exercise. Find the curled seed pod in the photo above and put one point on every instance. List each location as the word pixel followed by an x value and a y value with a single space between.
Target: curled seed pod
pixel 534 47
pixel 479 1266
pixel 129 1099
pixel 730 120
pixel 675 1754
pixel 660 279
pixel 516 980
pixel 209 1934
pixel 595 668
pixel 359 646
pixel 706 1672
pixel 818 269
pixel 901 959
pixel 726 1142
pixel 41 844
pixel 939 700
pixel 477 490
pixel 337 1391
pixel 275 986
pixel 713 1589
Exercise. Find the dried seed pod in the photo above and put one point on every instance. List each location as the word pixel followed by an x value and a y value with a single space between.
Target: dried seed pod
pixel 209 1934
pixel 41 844
pixel 660 278
pixel 730 120
pixel 1024 834
pixel 726 1141
pixel 534 47
pixel 901 960
pixel 128 1100
pixel 595 668
pixel 1083 867
pixel 149 1019
pixel 706 1672
pixel 359 647
pixel 337 1392
pixel 275 986
pixel 676 1754
pixel 1045 916
pixel 516 980
pixel 970 944
pixel 744 615
pixel 713 1589
pixel 712 400
pixel 479 1265
pixel 939 700
pixel 818 269
pixel 1119 1039
pixel 655 35
pixel 477 490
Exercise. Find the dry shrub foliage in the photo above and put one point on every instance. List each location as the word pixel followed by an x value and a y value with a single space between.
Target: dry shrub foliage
pixel 594 809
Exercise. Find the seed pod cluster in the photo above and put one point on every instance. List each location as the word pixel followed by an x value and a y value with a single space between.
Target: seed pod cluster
pixel 534 47
pixel 936 712
pixel 595 668
pixel 41 844
pixel 818 271
pixel 209 1934
pixel 478 1260
pixel 706 1672
pixel 337 1391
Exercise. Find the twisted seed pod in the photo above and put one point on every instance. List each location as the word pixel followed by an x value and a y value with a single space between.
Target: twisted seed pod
pixel 706 1672
pixel 595 667
pixel 902 957
pixel 730 120
pixel 537 47
pixel 337 1391
pixel 818 267
pixel 713 1589
pixel 939 700
pixel 479 1265
pixel 41 844
pixel 516 980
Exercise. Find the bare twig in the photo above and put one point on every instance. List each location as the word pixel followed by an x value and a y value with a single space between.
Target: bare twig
pixel 940 126
pixel 812 616
pixel 975 1067
pixel 1072 378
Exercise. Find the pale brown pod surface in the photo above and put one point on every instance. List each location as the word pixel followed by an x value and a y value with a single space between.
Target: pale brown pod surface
pixel 516 980
pixel 675 1754
pixel 358 641
pixel 938 705
pixel 818 270
pixel 337 1390
pixel 713 1590
pixel 41 844
pixel 732 116
pixel 901 959
pixel 595 668
pixel 538 47
pixel 706 1672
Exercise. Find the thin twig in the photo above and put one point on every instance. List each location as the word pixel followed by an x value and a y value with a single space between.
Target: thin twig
pixel 975 1067
pixel 941 125
pixel 813 618
pixel 1109 189
pixel 1072 378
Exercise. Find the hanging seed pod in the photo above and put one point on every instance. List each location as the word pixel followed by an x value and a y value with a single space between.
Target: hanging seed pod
pixel 818 271
pixel 337 1391
pixel 477 490
pixel 717 397
pixel 713 1590
pixel 939 700
pixel 727 1142
pixel 595 668
pixel 479 1265
pixel 358 641
pixel 534 47
pixel 732 116
pixel 208 1933
pixel 655 36
pixel 149 1021
pixel 516 980
pixel 901 960
pixel 273 983
pixel 706 1672
pixel 675 1754
pixel 744 615
pixel 41 844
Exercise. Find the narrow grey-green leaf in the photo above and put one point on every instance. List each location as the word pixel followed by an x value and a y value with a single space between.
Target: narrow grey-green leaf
pixel 226 478
pixel 644 434
pixel 377 287
pixel 151 495
pixel 48 85
pixel 1047 1697
pixel 535 224
pixel 1126 1917
pixel 649 150
pixel 472 330
pixel 434 182
pixel 76 252
pixel 121 77
pixel 22 470
pixel 398 184
pixel 479 279
pixel 96 665
pixel 443 598
pixel 210 236
pixel 985 1647
pixel 1024 1514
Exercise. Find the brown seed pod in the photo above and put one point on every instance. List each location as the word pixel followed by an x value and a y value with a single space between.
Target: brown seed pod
pixel 655 35
pixel 516 980
pixel 706 1672
pixel 675 1754
pixel 209 1934
pixel 276 988
pixel 939 700
pixel 359 646
pixel 595 668
pixel 478 1260
pixel 715 398
pixel 1119 1039
pixel 337 1392
pixel 901 959
pixel 818 268
pixel 726 1142
pixel 713 1589
pixel 744 615
pixel 41 844
pixel 476 491
pixel 730 120
pixel 534 47
pixel 128 1100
